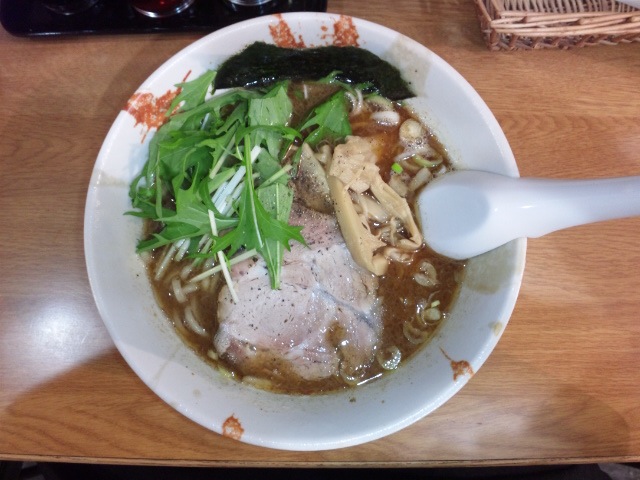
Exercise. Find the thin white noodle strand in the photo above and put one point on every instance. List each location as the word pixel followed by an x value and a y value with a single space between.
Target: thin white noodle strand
pixel 165 261
pixel 183 246
pixel 192 324
pixel 177 290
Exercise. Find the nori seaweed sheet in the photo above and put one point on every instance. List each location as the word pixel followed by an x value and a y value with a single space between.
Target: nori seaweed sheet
pixel 261 64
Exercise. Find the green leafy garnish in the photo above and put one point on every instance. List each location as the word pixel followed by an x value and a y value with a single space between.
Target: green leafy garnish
pixel 193 93
pixel 265 231
pixel 328 121
pixel 277 200
pixel 218 173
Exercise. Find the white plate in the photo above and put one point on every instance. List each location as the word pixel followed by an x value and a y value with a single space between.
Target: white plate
pixel 149 344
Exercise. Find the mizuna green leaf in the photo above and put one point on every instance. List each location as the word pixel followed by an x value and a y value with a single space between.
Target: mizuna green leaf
pixel 214 174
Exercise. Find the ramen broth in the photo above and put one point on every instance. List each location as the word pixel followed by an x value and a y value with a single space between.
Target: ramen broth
pixel 411 310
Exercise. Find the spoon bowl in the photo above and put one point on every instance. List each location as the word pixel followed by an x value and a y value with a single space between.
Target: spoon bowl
pixel 466 213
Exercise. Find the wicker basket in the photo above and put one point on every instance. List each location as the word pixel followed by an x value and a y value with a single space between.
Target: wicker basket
pixel 530 24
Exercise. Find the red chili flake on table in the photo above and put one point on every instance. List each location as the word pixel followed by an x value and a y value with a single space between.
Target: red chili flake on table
pixel 461 367
pixel 283 36
pixel 231 428
pixel 345 32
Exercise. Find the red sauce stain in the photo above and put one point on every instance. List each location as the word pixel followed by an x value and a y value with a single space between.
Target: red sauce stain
pixel 461 367
pixel 345 32
pixel 149 110
pixel 231 428
pixel 283 36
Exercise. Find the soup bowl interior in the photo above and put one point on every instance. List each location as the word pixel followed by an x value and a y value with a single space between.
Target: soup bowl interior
pixel 147 341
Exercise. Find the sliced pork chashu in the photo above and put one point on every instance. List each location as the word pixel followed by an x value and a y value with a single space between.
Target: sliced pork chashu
pixel 324 320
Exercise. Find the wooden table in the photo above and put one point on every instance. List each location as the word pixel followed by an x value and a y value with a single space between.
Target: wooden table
pixel 563 384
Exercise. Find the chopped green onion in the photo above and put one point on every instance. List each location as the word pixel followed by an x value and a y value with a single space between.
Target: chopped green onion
pixel 380 102
pixel 423 162
pixel 396 167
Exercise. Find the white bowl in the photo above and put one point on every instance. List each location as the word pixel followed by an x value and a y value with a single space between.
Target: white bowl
pixel 465 126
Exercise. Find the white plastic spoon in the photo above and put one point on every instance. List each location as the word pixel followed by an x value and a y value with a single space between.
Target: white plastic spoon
pixel 466 213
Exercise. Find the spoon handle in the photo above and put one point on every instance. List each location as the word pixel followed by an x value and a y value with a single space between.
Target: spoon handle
pixel 546 205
